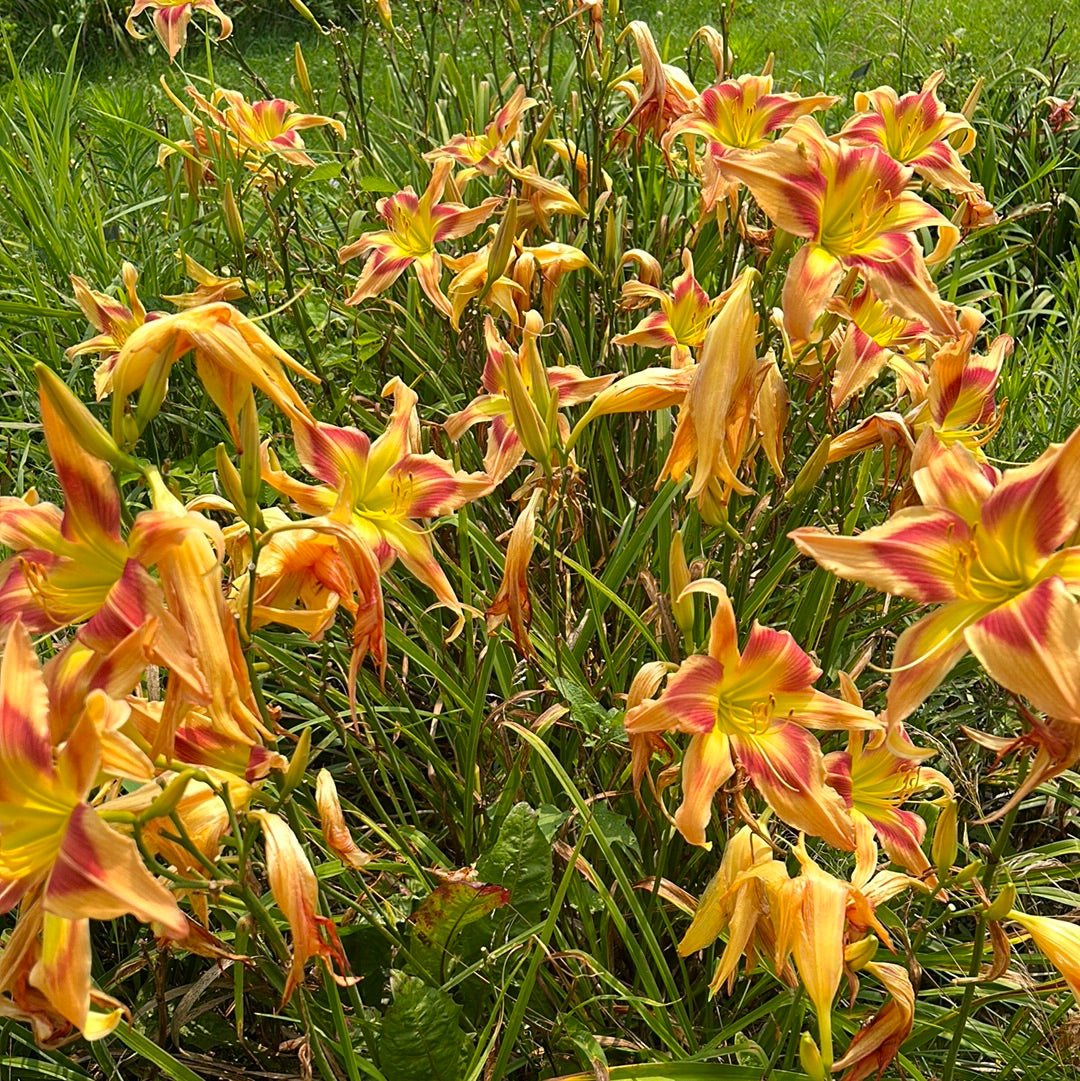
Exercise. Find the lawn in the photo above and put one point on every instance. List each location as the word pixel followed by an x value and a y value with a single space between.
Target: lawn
pixel 619 623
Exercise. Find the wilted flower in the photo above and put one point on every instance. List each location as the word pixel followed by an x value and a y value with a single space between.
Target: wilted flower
pixel 659 92
pixel 512 602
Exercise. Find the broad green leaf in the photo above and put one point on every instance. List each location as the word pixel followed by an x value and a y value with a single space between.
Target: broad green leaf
pixel 420 1034
pixel 520 860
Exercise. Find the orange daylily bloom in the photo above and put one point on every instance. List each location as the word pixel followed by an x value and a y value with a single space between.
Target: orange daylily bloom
pixel 115 322
pixel 875 778
pixel 53 842
pixel 374 490
pixel 540 386
pixel 752 708
pixel 738 115
pixel 808 184
pixel 486 153
pixel 171 19
pixel 987 547
pixel 232 355
pixel 683 318
pixel 67 561
pixel 258 128
pixel 915 130
pixel 512 602
pixel 414 225
pixel 871 339
pixel 717 418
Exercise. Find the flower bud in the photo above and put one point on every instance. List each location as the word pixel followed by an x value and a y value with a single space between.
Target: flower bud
pixel 170 797
pixel 56 396
pixel 810 473
pixel 944 845
pixel 859 954
pixel 234 223
pixel 298 764
pixel 501 247
pixel 303 80
pixel 305 13
pixel 1002 905
pixel 682 608
pixel 810 1058
pixel 229 478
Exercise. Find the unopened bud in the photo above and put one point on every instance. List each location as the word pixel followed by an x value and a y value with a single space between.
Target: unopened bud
pixel 810 474
pixel 810 1058
pixel 859 954
pixel 170 798
pixel 152 395
pixel 682 608
pixel 971 103
pixel 1002 905
pixel 303 80
pixel 229 478
pixel 305 13
pixel 234 223
pixel 944 845
pixel 528 423
pixel 56 397
pixel 966 874
pixel 502 247
pixel 298 764
pixel 250 465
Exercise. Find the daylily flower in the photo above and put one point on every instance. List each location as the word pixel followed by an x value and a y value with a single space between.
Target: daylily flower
pixel 540 385
pixel 851 204
pixel 259 128
pixel 875 778
pixel 67 561
pixel 375 490
pixel 414 225
pixel 486 153
pixel 1059 940
pixel 716 420
pixel 512 292
pixel 512 602
pixel 186 549
pixel 210 288
pixel 986 546
pixel 171 18
pixel 736 900
pixel 659 92
pixel 296 891
pixel 52 839
pixel 1061 117
pixel 739 115
pixel 115 322
pixel 958 403
pixel 540 197
pixel 871 339
pixel 232 355
pixel 683 318
pixel 915 130
pixel 578 161
pixel 752 708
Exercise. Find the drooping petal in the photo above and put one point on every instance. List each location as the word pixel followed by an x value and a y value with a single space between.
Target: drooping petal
pixel 706 766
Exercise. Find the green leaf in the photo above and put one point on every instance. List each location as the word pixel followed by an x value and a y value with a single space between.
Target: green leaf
pixel 420 1034
pixel 437 922
pixel 616 829
pixel 520 860
pixel 377 184
pixel 326 171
